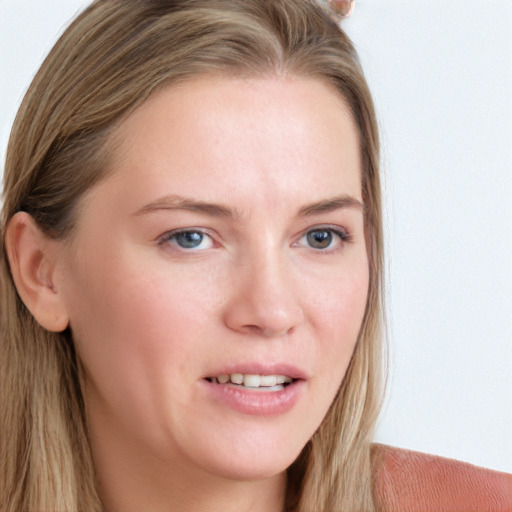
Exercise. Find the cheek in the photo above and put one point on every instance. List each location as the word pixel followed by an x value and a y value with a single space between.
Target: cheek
pixel 339 317
pixel 342 306
pixel 132 325
pixel 138 337
pixel 136 312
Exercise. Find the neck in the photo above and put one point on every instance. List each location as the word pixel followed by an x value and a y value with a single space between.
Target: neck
pixel 173 494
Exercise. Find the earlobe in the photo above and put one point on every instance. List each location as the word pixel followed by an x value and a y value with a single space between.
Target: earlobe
pixel 33 258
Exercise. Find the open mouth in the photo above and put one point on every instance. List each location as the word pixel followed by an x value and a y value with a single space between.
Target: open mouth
pixel 251 381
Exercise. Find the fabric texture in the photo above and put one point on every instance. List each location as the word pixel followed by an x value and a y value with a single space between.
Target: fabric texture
pixel 408 481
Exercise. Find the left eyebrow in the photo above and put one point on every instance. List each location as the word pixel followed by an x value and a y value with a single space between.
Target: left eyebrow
pixel 330 205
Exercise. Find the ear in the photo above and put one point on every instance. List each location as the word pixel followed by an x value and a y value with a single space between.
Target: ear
pixel 33 260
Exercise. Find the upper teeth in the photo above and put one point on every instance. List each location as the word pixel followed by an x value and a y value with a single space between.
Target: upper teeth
pixel 254 381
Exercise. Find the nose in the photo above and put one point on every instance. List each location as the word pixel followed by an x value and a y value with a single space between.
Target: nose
pixel 265 300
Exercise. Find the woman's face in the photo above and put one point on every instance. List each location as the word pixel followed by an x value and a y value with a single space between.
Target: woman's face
pixel 227 243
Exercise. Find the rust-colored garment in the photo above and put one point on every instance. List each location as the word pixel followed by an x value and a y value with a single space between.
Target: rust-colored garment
pixel 407 481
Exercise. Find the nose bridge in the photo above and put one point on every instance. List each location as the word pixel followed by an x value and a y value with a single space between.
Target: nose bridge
pixel 265 299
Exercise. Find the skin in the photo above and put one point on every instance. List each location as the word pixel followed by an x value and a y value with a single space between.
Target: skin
pixel 152 319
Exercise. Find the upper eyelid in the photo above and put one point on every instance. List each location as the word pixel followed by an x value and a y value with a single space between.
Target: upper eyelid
pixel 171 232
pixel 340 230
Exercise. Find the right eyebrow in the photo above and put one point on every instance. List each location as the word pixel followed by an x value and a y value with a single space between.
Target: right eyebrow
pixel 176 202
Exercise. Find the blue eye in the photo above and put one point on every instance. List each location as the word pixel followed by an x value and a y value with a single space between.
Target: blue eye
pixel 319 239
pixel 324 238
pixel 189 240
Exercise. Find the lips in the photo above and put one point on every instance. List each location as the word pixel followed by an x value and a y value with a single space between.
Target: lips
pixel 257 389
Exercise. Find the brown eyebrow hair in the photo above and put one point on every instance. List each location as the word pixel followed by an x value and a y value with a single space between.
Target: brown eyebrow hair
pixel 176 202
pixel 329 205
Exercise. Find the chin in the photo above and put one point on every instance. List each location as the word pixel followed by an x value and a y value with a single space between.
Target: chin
pixel 254 464
pixel 251 471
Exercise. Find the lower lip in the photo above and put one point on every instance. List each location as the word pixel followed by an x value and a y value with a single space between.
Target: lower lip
pixel 256 401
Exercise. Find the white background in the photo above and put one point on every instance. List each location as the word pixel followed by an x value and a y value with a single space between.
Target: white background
pixel 441 75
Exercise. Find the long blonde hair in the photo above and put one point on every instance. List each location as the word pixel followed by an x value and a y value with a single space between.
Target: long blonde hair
pixel 112 57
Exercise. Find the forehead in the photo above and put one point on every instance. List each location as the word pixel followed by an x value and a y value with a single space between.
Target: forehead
pixel 287 134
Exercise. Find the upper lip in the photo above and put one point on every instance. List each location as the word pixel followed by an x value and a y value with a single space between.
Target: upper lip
pixel 285 369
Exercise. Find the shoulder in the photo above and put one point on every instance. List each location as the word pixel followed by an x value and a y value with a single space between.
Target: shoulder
pixel 408 481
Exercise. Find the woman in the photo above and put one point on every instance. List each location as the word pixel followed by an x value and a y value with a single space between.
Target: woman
pixel 191 270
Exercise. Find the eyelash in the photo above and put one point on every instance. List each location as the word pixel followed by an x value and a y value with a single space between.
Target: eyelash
pixel 342 235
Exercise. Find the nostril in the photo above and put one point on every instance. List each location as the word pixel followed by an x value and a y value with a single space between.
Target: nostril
pixel 277 334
